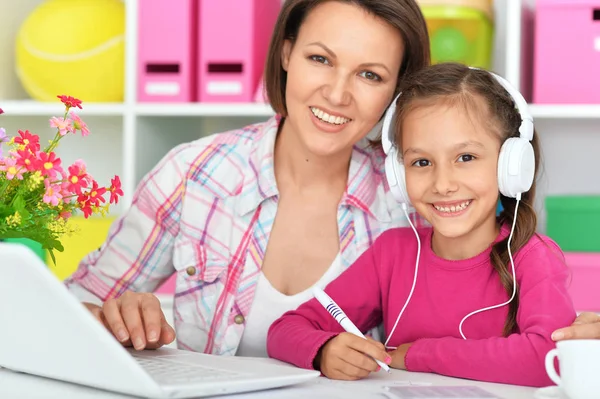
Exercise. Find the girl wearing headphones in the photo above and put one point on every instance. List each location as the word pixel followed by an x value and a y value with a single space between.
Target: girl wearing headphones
pixel 473 295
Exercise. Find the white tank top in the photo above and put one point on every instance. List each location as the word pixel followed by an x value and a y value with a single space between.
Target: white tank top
pixel 269 304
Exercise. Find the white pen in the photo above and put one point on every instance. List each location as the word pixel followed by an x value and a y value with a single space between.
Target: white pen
pixel 341 318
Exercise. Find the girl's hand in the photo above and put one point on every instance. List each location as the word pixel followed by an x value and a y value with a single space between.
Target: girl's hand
pixel 398 356
pixel 348 357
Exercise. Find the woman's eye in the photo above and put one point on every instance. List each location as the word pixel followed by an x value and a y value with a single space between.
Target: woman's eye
pixel 371 76
pixel 319 58
pixel 466 158
pixel 421 163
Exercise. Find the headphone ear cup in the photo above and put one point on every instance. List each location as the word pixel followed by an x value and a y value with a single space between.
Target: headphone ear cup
pixel 394 172
pixel 516 167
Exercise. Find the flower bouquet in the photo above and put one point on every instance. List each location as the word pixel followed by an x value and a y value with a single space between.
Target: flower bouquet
pixel 37 195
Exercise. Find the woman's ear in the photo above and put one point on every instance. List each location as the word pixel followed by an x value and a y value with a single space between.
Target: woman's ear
pixel 286 51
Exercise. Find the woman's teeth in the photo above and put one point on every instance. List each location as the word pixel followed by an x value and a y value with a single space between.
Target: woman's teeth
pixel 453 208
pixel 325 117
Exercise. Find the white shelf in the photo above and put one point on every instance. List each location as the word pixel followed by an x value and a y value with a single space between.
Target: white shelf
pixel 565 111
pixel 55 108
pixel 30 107
pixel 203 109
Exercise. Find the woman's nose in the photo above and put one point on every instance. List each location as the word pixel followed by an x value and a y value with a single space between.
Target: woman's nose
pixel 339 90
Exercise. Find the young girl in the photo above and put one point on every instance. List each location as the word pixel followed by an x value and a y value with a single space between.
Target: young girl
pixel 448 299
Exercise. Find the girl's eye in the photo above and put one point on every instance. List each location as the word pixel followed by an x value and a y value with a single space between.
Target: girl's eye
pixel 371 76
pixel 319 58
pixel 421 163
pixel 466 158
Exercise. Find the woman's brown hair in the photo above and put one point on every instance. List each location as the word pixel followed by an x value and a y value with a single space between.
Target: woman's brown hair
pixel 404 15
pixel 478 91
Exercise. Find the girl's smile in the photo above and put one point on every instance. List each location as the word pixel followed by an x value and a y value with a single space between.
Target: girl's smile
pixel 451 208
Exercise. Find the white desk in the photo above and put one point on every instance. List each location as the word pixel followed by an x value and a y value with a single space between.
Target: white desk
pixel 22 386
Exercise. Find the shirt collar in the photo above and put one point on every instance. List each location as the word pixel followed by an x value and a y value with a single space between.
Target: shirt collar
pixel 366 188
pixel 259 178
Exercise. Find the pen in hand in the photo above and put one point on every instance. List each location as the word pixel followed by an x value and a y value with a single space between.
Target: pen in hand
pixel 341 318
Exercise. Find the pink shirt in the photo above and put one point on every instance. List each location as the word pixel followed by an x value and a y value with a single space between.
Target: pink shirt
pixel 376 286
pixel 204 213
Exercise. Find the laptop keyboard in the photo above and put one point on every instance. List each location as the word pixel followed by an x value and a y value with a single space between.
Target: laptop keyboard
pixel 169 371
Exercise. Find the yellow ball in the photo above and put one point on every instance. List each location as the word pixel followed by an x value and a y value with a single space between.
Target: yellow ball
pixel 74 48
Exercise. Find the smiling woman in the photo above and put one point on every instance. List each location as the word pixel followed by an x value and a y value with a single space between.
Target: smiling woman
pixel 250 220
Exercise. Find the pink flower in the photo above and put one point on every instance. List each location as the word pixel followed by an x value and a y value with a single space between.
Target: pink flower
pixel 83 170
pixel 30 141
pixel 76 179
pixel 50 165
pixel 115 189
pixel 9 165
pixel 63 125
pixel 80 163
pixel 27 159
pixel 52 195
pixel 78 124
pixel 64 189
pixel 70 101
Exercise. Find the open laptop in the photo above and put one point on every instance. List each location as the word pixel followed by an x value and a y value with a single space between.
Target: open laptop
pixel 46 331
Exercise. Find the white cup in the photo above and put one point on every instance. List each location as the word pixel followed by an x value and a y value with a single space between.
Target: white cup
pixel 579 364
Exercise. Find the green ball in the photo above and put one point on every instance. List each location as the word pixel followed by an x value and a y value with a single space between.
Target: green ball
pixel 449 44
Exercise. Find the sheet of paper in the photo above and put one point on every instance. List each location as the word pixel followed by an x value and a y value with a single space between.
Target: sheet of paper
pixel 440 392
pixel 370 383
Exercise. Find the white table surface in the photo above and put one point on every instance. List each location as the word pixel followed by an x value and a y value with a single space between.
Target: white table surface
pixel 20 386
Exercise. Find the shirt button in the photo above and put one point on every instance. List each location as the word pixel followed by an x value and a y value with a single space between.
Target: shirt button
pixel 239 319
pixel 191 270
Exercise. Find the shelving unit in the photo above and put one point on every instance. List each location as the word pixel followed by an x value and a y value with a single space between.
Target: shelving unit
pixel 141 133
pixel 203 110
pixel 566 111
pixel 19 108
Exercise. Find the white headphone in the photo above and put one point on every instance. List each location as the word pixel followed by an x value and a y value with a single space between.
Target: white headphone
pixel 516 163
pixel 516 167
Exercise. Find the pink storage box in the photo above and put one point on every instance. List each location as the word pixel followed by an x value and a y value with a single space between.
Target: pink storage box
pixel 567 52
pixel 234 37
pixel 584 285
pixel 167 50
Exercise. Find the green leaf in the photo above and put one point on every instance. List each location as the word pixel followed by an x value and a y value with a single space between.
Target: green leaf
pixel 19 203
pixel 52 256
pixel 5 211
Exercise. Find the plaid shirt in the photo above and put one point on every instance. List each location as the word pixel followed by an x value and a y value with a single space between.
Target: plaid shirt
pixel 205 213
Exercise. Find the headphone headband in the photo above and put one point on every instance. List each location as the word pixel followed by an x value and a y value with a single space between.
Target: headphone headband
pixel 525 129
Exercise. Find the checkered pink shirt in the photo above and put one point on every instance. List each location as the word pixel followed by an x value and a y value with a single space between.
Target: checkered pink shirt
pixel 205 213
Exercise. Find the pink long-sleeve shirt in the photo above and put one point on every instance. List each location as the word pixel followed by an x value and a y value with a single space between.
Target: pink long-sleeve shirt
pixel 374 289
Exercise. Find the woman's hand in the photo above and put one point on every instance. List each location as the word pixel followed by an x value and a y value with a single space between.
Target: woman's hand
pixel 349 357
pixel 586 326
pixel 135 319
pixel 398 356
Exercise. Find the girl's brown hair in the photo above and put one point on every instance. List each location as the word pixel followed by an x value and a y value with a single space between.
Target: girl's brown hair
pixel 478 91
pixel 404 15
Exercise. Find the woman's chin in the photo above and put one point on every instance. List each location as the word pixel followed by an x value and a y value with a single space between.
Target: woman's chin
pixel 324 148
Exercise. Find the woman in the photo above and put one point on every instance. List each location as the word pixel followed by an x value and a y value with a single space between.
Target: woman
pixel 586 326
pixel 249 220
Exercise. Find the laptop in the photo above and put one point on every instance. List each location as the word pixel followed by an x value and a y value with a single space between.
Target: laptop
pixel 46 331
